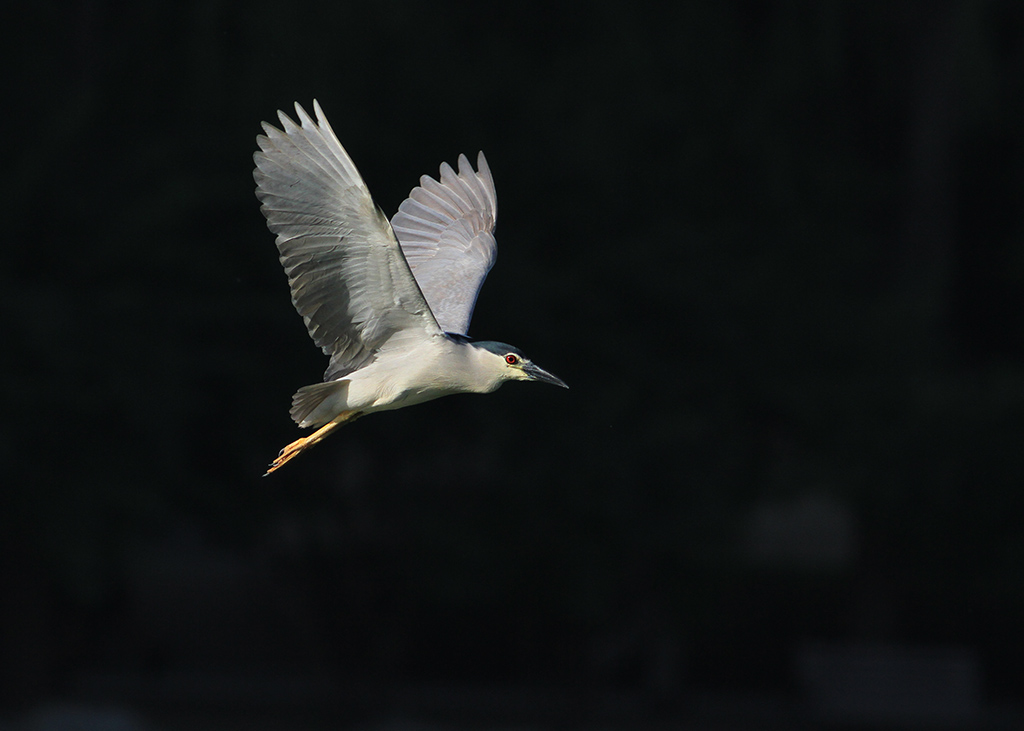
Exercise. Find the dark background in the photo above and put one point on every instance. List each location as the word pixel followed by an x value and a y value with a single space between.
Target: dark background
pixel 775 248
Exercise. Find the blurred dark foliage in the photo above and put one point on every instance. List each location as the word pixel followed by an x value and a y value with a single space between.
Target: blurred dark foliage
pixel 775 248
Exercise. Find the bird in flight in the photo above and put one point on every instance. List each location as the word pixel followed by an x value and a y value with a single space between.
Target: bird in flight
pixel 388 302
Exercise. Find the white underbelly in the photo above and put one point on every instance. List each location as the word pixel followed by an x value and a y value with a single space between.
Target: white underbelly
pixel 406 382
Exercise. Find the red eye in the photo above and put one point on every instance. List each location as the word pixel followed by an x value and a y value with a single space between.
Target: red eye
pixel 511 359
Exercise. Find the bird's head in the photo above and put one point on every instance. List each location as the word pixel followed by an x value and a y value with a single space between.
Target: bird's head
pixel 509 363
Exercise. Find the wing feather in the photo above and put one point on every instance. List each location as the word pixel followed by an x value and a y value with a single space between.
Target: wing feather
pixel 349 279
pixel 446 230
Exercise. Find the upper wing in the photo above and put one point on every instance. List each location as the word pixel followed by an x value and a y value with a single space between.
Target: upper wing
pixel 348 277
pixel 446 231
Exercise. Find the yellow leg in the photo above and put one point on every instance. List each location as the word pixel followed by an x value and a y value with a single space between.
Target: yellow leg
pixel 301 445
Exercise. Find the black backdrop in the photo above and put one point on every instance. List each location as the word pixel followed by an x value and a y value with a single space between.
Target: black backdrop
pixel 775 248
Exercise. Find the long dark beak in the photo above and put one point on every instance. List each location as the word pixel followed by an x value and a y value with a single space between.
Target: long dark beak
pixel 539 374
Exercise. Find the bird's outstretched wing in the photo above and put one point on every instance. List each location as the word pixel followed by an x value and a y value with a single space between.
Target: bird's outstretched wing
pixel 348 277
pixel 446 231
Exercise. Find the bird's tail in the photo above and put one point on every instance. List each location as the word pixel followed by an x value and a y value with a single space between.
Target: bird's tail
pixel 307 401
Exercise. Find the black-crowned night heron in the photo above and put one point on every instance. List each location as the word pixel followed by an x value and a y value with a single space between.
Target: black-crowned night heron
pixel 389 303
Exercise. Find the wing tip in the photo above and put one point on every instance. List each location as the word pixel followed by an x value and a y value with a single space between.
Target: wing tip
pixel 299 111
pixel 482 168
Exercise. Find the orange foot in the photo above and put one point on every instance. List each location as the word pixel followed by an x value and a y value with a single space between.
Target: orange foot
pixel 301 445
